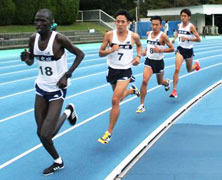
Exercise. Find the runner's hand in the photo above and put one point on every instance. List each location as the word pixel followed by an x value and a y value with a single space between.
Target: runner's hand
pixel 62 83
pixel 25 55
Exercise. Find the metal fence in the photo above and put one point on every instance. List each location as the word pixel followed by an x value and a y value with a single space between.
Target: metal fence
pixel 96 16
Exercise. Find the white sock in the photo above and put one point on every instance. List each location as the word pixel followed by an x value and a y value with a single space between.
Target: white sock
pixel 67 112
pixel 58 160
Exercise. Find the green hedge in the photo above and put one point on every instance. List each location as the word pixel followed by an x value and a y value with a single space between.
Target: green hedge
pixel 66 11
pixel 7 11
pixel 21 12
pixel 24 11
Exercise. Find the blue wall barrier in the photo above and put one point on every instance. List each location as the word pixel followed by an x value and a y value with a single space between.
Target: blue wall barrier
pixel 143 27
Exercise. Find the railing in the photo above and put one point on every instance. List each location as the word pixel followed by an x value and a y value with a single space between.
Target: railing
pixel 96 16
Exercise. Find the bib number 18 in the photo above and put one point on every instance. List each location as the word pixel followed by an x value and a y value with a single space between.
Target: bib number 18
pixel 46 71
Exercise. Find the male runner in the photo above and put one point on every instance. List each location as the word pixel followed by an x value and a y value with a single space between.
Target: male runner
pixel 187 34
pixel 48 48
pixel 154 63
pixel 120 60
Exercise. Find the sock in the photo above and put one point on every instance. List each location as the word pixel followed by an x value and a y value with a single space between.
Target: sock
pixel 109 132
pixel 67 112
pixel 58 160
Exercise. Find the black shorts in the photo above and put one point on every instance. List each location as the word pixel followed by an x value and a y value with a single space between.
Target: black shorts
pixel 115 75
pixel 156 65
pixel 51 96
pixel 186 53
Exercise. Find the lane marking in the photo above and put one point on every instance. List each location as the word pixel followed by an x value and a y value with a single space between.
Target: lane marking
pixel 121 170
pixel 196 46
pixel 29 90
pixel 89 119
pixel 187 74
pixel 35 68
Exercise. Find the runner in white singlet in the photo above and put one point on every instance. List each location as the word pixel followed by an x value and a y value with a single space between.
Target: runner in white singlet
pixel 187 34
pixel 154 64
pixel 48 48
pixel 118 47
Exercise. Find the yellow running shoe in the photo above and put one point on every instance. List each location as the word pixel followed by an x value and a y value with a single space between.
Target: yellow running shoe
pixel 135 90
pixel 106 138
pixel 140 108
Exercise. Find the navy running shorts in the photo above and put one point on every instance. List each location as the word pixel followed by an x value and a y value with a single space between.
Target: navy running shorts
pixel 186 53
pixel 51 96
pixel 115 75
pixel 156 65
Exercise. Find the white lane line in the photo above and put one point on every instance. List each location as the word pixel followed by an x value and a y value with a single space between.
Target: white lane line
pixel 196 46
pixel 89 90
pixel 82 77
pixel 25 65
pixel 16 115
pixel 125 165
pixel 30 90
pixel 33 77
pixel 36 69
pixel 89 119
pixel 15 81
pixel 90 66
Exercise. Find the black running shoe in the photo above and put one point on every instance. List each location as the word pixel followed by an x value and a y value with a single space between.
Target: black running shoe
pixel 73 116
pixel 54 167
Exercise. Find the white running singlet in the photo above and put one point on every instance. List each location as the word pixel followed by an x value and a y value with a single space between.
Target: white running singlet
pixel 185 31
pixel 50 69
pixel 151 43
pixel 121 59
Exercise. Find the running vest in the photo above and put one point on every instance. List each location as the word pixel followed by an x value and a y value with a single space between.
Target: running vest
pixel 151 43
pixel 121 59
pixel 187 33
pixel 50 69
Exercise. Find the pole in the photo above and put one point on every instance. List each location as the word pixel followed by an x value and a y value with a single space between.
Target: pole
pixel 137 14
pixel 138 10
pixel 136 30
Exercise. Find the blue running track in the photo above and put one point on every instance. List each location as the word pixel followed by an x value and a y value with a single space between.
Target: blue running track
pixel 191 149
pixel 23 157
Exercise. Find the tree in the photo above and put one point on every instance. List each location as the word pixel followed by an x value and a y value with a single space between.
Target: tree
pixel 7 11
pixel 105 5
pixel 24 12
pixel 65 11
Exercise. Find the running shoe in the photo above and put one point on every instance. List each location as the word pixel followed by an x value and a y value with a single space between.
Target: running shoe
pixel 167 87
pixel 197 68
pixel 140 108
pixel 73 116
pixel 174 94
pixel 135 90
pixel 106 138
pixel 54 167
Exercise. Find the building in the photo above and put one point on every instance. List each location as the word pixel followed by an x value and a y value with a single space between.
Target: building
pixel 209 15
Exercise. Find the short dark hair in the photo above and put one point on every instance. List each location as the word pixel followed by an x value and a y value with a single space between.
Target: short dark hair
pixel 187 11
pixel 156 18
pixel 47 13
pixel 124 13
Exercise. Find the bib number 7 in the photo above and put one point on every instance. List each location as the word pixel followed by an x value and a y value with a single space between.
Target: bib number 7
pixel 120 56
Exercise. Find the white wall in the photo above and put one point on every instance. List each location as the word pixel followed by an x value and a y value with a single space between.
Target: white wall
pixel 199 21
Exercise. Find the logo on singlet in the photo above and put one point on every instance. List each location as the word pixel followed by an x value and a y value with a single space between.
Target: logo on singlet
pixel 153 42
pixel 184 32
pixel 45 58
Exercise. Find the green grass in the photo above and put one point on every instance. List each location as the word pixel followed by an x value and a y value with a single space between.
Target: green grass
pixel 75 26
